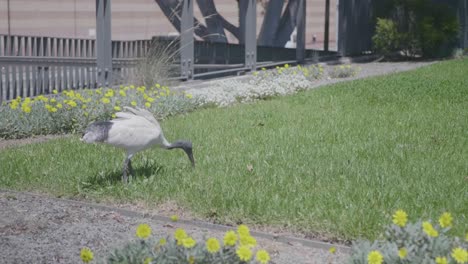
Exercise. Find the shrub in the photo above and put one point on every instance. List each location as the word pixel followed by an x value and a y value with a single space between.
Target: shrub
pixel 155 67
pixel 418 242
pixel 386 38
pixel 236 247
pixel 343 71
pixel 71 111
pixel 424 27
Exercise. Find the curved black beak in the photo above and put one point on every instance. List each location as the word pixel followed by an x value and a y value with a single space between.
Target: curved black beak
pixel 190 155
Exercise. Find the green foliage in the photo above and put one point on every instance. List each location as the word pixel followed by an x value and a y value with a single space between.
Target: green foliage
pixel 343 71
pixel 71 111
pixel 182 248
pixel 420 27
pixel 386 38
pixel 411 243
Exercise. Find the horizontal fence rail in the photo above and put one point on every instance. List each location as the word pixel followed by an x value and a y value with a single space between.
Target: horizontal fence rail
pixel 30 66
pixel 11 45
pixel 32 76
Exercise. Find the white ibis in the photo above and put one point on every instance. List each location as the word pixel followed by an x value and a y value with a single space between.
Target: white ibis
pixel 133 130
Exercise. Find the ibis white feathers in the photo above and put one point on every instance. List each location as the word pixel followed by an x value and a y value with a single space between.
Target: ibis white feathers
pixel 133 130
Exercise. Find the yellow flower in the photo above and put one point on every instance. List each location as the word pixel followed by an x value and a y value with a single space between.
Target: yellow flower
pixel 85 113
pixel 180 234
pixel 109 93
pixel 263 69
pixel 143 231
pixel 441 260
pixel 189 96
pixel 105 100
pixel 158 85
pixel 71 103
pixel 147 260
pixel 86 255
pixel 374 257
pixel 188 242
pixel 402 253
pixel 99 91
pixel 332 250
pixel 255 73
pixel 84 106
pixel 212 245
pixel 149 99
pixel 286 66
pixel 54 91
pixel 122 93
pixel 14 105
pixel 26 109
pixel 460 255
pixel 244 253
pixel 243 230
pixel 117 108
pixel 59 105
pixel 162 241
pixel 53 110
pixel 230 238
pixel 113 116
pixel 133 103
pixel 174 218
pixel 262 256
pixel 400 218
pixel 247 240
pixel 147 104
pixel 429 229
pixel 445 220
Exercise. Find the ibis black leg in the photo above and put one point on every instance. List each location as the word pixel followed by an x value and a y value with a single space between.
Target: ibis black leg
pixel 125 171
pixel 130 168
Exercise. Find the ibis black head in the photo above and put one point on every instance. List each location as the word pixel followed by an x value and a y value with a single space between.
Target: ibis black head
pixel 186 146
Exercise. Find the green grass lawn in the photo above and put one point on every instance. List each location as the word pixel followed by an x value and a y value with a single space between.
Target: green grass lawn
pixel 337 160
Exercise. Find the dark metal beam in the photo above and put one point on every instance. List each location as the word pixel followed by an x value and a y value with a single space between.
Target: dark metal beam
pixel 251 35
pixel 103 43
pixel 326 37
pixel 300 31
pixel 187 40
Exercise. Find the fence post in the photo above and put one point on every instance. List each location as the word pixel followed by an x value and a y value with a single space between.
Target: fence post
pixel 300 30
pixel 251 35
pixel 187 40
pixel 103 43
pixel 326 37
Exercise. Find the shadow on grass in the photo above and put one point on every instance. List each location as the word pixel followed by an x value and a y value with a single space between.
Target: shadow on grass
pixel 114 177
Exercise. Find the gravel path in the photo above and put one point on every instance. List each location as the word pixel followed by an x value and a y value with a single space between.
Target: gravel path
pixel 41 229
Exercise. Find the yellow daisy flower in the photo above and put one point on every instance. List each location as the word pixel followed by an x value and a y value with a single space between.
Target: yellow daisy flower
pixel 374 257
pixel 143 231
pixel 400 218
pixel 445 220
pixel 244 253
pixel 429 229
pixel 212 245
pixel 460 255
pixel 441 260
pixel 86 255
pixel 230 238
pixel 402 253
pixel 262 256
pixel 188 242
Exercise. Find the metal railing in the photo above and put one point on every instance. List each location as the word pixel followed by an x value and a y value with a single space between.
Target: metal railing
pixel 30 66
